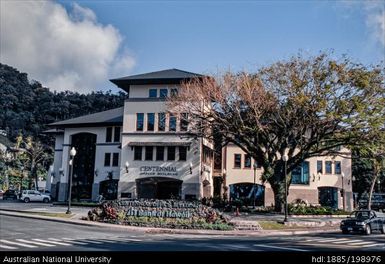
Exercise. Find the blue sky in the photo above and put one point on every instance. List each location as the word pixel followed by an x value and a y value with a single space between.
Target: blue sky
pixel 211 36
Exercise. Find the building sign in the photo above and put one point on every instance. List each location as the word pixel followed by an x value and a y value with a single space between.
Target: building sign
pixel 158 171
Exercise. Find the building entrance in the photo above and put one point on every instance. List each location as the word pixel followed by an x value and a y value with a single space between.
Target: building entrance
pixel 159 188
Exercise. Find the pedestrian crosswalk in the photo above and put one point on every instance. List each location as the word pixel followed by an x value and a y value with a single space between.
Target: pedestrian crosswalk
pixel 42 243
pixel 351 242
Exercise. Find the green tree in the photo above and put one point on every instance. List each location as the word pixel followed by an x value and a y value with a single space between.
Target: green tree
pixel 304 107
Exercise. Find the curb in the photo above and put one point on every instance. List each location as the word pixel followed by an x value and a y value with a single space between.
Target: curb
pixel 153 230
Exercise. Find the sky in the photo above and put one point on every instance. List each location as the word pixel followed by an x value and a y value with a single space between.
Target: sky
pixel 80 45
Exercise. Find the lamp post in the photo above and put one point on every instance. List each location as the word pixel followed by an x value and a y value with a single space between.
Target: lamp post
pixel 71 163
pixel 285 158
pixel 343 191
pixel 254 188
pixel 379 185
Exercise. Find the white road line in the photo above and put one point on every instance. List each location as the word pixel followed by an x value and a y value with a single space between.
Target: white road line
pixel 52 242
pixel 16 243
pixel 359 243
pixel 344 240
pixel 7 247
pixel 373 245
pixel 35 243
pixel 73 241
pixel 92 241
pixel 328 240
pixel 285 248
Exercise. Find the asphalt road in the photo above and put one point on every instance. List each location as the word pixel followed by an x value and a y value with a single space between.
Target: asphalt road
pixel 20 234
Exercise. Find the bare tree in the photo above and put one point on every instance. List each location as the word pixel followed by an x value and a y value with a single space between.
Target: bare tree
pixel 305 107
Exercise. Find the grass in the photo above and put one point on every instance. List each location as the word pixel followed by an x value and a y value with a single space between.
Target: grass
pixel 274 225
pixel 62 215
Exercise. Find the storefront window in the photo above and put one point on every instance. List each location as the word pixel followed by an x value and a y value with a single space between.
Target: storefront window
pixel 300 175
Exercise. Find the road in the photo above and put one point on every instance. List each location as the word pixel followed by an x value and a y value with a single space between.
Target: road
pixel 20 234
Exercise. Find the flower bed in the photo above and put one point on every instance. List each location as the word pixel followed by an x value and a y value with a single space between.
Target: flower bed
pixel 160 213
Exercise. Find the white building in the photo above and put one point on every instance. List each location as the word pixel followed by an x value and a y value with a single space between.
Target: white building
pixel 139 149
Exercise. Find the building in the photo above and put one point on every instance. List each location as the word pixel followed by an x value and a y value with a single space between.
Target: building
pixel 325 180
pixel 141 151
pixel 136 151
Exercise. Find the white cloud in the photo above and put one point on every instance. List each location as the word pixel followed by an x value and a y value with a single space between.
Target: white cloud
pixel 63 50
pixel 374 14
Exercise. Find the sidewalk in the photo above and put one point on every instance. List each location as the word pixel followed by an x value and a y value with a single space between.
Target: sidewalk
pixel 81 212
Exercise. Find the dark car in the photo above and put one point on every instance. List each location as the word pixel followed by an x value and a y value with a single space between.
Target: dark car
pixel 10 194
pixel 364 221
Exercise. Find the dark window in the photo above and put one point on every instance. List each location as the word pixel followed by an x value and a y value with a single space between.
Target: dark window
pixel 337 167
pixel 115 160
pixel 170 153
pixel 183 121
pixel 163 93
pixel 300 175
pixel 137 153
pixel 150 121
pixel 109 134
pixel 174 92
pixel 152 93
pixel 117 134
pixel 161 121
pixel 125 195
pixel 139 121
pixel 328 167
pixel 247 161
pixel 172 123
pixel 159 153
pixel 182 153
pixel 237 160
pixel 319 166
pixel 107 159
pixel 148 155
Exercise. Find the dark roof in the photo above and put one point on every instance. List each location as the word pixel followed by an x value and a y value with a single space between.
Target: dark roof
pixel 170 76
pixel 109 117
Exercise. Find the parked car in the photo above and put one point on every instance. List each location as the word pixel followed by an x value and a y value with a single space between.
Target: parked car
pixel 34 196
pixel 10 194
pixel 364 221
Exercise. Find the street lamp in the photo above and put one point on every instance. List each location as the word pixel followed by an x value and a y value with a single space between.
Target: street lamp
pixel 285 158
pixel 255 165
pixel 343 191
pixel 378 185
pixel 71 163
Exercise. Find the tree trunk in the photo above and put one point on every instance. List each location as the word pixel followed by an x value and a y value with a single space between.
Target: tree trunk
pixel 277 183
pixel 375 171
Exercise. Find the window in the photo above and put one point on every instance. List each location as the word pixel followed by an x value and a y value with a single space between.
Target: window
pixel 149 151
pixel 137 153
pixel 183 121
pixel 117 134
pixel 337 167
pixel 172 123
pixel 139 121
pixel 182 153
pixel 161 121
pixel 247 161
pixel 150 121
pixel 115 160
pixel 109 134
pixel 237 160
pixel 328 167
pixel 170 153
pixel 319 166
pixel 152 93
pixel 107 159
pixel 174 92
pixel 163 93
pixel 159 153
pixel 300 175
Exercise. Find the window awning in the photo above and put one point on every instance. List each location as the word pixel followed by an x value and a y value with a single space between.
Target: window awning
pixel 161 144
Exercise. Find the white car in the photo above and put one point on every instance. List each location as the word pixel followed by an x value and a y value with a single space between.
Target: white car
pixel 34 196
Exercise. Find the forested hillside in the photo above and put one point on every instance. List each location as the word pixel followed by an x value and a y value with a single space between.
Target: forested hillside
pixel 27 107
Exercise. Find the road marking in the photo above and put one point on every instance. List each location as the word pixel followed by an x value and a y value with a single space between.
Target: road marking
pixel 73 241
pixel 360 243
pixel 344 240
pixel 373 245
pixel 52 242
pixel 93 241
pixel 286 248
pixel 7 247
pixel 16 243
pixel 35 243
pixel 322 240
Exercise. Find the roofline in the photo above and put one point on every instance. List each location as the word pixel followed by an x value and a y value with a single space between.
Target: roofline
pixel 94 124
